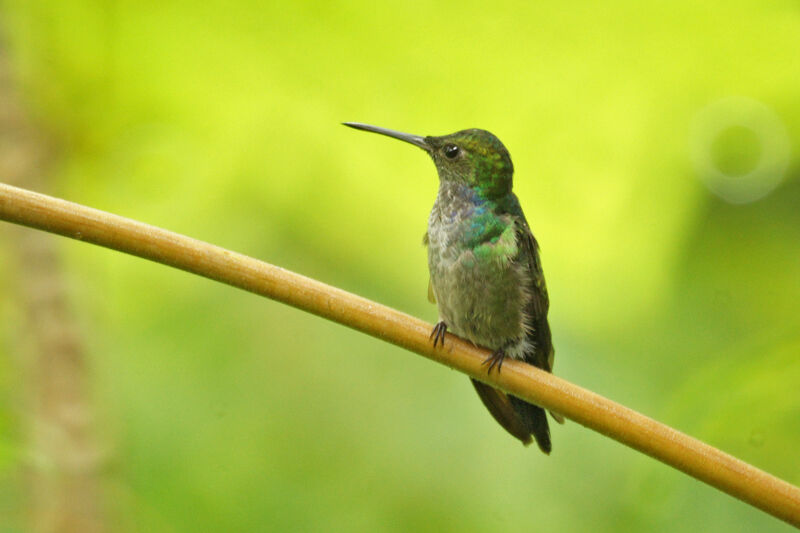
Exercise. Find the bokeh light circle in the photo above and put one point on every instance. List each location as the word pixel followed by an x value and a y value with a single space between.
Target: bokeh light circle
pixel 710 125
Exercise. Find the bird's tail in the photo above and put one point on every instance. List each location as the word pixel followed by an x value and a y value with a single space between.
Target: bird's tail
pixel 534 418
pixel 498 404
pixel 518 417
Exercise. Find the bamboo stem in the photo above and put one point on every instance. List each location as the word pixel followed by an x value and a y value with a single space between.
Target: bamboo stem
pixel 66 486
pixel 704 462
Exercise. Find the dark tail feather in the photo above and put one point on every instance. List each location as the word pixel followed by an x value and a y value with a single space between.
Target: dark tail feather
pixel 497 402
pixel 535 420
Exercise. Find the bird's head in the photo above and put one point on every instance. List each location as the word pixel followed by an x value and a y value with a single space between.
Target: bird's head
pixel 473 157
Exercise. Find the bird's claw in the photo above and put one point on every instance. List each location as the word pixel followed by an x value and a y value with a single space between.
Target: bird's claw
pixel 438 333
pixel 495 360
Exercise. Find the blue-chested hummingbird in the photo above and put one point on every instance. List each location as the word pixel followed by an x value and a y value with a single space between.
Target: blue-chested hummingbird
pixel 485 272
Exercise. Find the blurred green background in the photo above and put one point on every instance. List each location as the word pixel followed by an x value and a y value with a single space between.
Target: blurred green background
pixel 655 148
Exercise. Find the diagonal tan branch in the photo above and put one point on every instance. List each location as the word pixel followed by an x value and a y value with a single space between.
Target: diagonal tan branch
pixel 704 462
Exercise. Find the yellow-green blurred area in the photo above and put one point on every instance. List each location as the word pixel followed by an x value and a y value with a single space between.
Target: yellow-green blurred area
pixel 655 147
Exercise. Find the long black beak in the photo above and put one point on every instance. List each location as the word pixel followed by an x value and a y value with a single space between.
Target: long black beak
pixel 416 140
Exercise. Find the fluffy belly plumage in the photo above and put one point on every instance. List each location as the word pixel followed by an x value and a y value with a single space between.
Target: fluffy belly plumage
pixel 482 301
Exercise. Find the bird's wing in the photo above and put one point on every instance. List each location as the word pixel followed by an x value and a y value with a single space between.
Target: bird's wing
pixel 544 354
pixel 540 301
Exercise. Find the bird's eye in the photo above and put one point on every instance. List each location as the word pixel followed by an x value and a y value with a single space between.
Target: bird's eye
pixel 451 151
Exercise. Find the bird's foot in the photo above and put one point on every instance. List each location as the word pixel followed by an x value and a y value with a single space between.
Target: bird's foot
pixel 438 333
pixel 495 360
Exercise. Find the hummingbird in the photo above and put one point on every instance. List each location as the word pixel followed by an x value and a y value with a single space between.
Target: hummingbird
pixel 485 273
